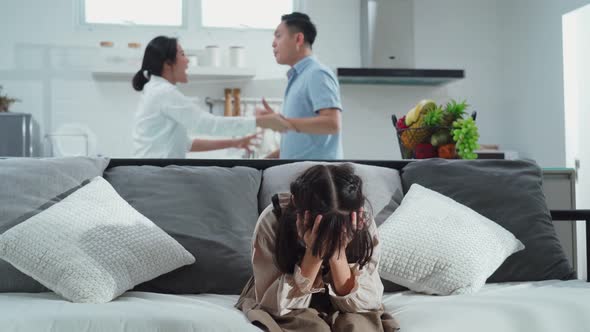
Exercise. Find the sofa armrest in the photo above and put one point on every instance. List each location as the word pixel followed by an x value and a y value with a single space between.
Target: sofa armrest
pixel 569 215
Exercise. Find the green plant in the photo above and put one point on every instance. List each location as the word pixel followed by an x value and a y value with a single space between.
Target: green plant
pixel 5 101
pixel 466 135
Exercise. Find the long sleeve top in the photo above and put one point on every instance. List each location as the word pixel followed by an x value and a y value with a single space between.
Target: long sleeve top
pixel 278 293
pixel 166 119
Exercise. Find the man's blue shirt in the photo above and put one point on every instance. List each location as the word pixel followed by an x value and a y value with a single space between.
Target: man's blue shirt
pixel 311 88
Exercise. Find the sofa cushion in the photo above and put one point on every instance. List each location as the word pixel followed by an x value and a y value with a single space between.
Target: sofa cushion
pixel 434 245
pixel 131 312
pixel 381 185
pixel 211 211
pixel 508 192
pixel 30 186
pixel 92 246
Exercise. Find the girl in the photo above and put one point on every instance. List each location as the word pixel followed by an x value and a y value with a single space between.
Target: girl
pixel 315 257
pixel 166 117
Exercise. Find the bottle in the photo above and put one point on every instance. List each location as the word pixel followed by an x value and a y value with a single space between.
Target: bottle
pixel 237 102
pixel 227 111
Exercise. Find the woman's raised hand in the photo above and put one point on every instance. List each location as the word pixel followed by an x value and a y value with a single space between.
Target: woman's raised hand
pixel 247 142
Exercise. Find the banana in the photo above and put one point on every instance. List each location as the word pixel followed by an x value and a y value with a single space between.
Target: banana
pixel 421 108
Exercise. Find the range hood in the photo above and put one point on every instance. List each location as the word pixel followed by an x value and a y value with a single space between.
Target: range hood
pixel 398 76
pixel 387 48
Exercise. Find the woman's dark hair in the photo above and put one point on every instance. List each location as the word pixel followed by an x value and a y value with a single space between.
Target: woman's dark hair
pixel 299 22
pixel 333 191
pixel 159 51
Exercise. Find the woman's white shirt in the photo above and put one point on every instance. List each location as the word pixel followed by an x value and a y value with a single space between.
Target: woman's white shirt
pixel 166 119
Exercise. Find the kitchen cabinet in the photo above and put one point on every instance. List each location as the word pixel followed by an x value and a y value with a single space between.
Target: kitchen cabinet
pixel 19 135
pixel 560 194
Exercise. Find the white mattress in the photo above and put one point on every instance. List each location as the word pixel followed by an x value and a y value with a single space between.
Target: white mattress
pixel 546 306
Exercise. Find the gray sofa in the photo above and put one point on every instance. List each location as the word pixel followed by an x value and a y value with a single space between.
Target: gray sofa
pixel 211 206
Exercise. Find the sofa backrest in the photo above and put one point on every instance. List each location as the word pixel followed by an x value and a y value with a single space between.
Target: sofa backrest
pixel 260 164
pixel 248 180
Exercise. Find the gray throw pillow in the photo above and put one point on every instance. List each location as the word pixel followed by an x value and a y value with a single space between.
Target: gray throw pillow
pixel 30 186
pixel 210 211
pixel 381 185
pixel 508 192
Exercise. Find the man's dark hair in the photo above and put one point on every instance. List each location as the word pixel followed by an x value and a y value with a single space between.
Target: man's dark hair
pixel 299 22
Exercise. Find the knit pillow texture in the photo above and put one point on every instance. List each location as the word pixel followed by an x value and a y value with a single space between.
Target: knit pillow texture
pixel 92 246
pixel 434 245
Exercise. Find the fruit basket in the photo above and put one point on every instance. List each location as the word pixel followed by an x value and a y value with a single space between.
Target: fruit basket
pixel 430 131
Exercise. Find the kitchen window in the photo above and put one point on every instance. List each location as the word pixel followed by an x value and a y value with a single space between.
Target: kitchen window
pixel 250 14
pixel 134 12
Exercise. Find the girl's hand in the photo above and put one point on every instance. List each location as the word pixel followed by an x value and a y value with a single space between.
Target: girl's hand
pixel 357 222
pixel 308 237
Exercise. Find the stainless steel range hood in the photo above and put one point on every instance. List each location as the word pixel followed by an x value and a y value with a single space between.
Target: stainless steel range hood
pixel 387 48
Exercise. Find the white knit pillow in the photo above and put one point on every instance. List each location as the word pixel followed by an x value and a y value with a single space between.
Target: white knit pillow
pixel 92 246
pixel 434 245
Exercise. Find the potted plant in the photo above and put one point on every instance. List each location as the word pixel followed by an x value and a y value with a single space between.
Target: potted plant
pixel 5 101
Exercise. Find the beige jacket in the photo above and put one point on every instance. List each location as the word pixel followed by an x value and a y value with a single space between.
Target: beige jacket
pixel 279 293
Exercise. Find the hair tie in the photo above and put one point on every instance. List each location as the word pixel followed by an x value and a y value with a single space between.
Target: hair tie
pixel 146 74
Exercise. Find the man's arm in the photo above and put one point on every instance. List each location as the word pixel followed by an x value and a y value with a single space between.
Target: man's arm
pixel 327 122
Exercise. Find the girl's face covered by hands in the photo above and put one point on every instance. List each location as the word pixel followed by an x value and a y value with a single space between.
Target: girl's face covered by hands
pixel 331 234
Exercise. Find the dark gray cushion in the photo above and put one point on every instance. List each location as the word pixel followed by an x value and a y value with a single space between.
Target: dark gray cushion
pixel 211 211
pixel 508 192
pixel 29 186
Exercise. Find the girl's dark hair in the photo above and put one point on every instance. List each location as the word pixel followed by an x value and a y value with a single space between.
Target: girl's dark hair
pixel 159 51
pixel 333 191
pixel 299 22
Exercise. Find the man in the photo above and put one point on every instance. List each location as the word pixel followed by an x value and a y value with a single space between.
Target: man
pixel 312 100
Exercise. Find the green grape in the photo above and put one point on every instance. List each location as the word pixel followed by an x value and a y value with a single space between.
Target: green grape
pixel 466 136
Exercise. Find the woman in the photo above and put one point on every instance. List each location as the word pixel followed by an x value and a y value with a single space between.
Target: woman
pixel 166 117
pixel 315 255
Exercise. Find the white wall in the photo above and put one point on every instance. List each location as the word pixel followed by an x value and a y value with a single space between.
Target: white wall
pixel 439 43
pixel 577 99
pixel 468 40
pixel 513 56
pixel 511 53
pixel 532 78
